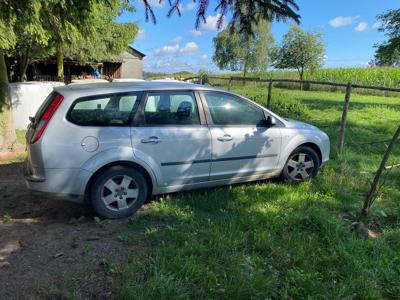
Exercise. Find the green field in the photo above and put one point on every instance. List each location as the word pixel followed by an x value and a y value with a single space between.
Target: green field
pixel 375 76
pixel 274 240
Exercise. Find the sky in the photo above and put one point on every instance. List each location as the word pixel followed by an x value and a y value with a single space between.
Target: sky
pixel 349 29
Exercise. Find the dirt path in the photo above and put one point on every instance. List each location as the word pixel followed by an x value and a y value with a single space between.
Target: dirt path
pixel 53 249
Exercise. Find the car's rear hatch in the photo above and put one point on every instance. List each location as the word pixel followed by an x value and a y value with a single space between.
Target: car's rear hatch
pixel 34 164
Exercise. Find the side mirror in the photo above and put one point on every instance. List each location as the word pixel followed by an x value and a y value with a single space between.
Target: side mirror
pixel 270 121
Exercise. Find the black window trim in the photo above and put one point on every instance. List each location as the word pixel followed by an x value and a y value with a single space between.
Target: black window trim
pixel 99 96
pixel 210 121
pixel 139 118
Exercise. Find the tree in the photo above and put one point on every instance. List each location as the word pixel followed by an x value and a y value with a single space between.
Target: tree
pixel 87 33
pixel 236 50
pixel 245 13
pixel 388 53
pixel 7 40
pixel 104 37
pixel 301 51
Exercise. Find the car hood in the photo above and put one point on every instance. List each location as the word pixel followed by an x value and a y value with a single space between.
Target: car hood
pixel 300 125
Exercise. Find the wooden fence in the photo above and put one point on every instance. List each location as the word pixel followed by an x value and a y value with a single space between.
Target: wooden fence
pixel 348 89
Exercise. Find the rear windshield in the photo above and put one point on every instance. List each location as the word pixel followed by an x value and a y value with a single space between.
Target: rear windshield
pixel 42 109
pixel 105 110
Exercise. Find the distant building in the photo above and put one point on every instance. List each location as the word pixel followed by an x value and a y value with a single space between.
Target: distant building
pixel 128 64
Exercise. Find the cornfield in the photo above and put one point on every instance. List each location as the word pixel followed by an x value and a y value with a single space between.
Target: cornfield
pixel 373 76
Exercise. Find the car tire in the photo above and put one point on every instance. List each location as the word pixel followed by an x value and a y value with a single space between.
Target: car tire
pixel 118 192
pixel 303 164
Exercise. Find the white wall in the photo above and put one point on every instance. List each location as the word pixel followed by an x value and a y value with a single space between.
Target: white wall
pixel 26 99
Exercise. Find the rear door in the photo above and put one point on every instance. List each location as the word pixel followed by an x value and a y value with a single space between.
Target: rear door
pixel 170 134
pixel 242 145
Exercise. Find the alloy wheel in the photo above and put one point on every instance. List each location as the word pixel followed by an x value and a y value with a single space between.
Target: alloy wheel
pixel 119 192
pixel 300 166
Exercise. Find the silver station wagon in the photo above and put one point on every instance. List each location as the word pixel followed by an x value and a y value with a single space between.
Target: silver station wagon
pixel 116 144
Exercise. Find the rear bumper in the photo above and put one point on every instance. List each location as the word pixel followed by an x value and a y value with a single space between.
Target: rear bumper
pixel 68 184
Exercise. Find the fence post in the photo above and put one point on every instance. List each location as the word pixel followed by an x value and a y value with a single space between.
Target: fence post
pixel 372 193
pixel 269 95
pixel 344 117
pixel 230 84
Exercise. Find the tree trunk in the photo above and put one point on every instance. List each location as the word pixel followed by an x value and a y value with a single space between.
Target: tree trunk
pixel 301 72
pixel 8 138
pixel 60 63
pixel 23 62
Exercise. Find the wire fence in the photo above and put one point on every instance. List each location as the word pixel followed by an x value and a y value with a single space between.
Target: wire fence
pixel 267 85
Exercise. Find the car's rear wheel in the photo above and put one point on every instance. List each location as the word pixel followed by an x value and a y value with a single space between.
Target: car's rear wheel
pixel 302 164
pixel 118 192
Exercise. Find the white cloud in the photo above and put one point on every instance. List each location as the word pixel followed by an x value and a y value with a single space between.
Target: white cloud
pixel 195 32
pixel 175 41
pixel 211 23
pixel 342 21
pixel 189 48
pixel 167 50
pixel 376 25
pixel 204 56
pixel 362 26
pixel 141 34
pixel 170 48
pixel 188 7
pixel 174 47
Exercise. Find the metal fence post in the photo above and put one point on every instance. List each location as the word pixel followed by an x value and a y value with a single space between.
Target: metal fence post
pixel 269 95
pixel 344 117
pixel 230 84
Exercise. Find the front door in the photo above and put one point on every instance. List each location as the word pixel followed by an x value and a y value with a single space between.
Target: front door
pixel 172 139
pixel 242 145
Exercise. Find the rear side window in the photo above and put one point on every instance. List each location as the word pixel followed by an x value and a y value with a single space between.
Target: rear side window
pixel 171 108
pixel 103 110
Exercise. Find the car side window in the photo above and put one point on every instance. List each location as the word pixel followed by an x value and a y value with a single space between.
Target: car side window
pixel 111 110
pixel 229 110
pixel 171 108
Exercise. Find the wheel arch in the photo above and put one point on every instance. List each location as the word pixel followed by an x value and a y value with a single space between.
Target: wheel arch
pixel 299 141
pixel 124 163
pixel 313 146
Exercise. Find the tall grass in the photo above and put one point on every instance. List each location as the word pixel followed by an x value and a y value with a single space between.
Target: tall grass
pixel 374 76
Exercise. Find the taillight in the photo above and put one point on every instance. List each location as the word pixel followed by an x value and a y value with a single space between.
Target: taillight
pixel 45 119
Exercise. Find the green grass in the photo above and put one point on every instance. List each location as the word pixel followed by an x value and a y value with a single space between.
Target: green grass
pixel 274 240
pixel 21 136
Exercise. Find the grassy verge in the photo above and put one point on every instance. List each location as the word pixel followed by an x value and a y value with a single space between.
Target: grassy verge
pixel 15 157
pixel 277 240
pixel 21 136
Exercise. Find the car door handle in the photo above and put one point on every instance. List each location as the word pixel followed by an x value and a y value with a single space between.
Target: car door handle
pixel 225 138
pixel 152 139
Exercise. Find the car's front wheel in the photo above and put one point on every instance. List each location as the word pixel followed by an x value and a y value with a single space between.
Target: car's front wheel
pixel 118 192
pixel 303 163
